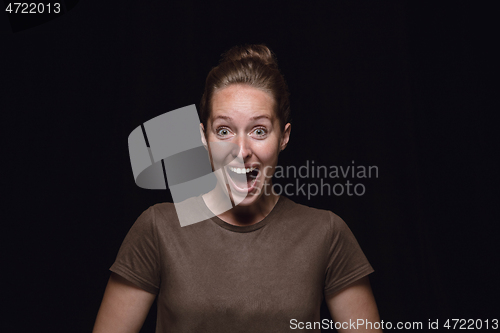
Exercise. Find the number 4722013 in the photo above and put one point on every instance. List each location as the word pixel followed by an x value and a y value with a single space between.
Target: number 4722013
pixel 33 8
pixel 468 324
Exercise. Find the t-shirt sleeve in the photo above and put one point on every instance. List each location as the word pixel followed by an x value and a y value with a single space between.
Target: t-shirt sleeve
pixel 138 257
pixel 346 262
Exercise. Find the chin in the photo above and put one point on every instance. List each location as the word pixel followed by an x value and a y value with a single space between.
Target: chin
pixel 246 201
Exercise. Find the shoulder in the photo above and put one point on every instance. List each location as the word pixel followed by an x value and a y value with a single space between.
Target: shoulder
pixel 156 216
pixel 164 211
pixel 312 216
pixel 174 216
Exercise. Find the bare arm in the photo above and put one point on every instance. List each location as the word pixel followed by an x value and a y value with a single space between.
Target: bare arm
pixel 124 307
pixel 352 303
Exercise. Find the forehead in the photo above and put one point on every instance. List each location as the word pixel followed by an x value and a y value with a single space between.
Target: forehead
pixel 242 102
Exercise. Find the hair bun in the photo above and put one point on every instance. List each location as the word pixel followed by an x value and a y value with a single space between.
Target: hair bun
pixel 259 52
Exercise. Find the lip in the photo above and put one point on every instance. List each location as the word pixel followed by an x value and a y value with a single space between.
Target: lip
pixel 254 165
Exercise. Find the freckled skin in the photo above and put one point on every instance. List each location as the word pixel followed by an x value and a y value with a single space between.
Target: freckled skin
pixel 245 116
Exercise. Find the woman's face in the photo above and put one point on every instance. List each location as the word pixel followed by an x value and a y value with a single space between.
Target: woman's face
pixel 244 116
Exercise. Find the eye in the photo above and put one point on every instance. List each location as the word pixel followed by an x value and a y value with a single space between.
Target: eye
pixel 222 131
pixel 260 132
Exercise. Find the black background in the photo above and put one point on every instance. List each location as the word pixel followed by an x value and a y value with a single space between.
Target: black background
pixel 400 85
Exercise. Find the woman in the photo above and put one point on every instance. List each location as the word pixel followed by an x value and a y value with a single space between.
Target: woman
pixel 264 265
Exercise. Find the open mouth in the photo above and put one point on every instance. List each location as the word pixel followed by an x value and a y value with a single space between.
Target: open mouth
pixel 243 179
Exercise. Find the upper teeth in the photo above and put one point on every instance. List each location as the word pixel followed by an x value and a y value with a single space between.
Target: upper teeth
pixel 241 170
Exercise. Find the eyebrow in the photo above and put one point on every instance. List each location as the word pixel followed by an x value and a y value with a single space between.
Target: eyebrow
pixel 253 118
pixel 222 117
pixel 259 117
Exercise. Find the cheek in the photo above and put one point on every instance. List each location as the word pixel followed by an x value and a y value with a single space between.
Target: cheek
pixel 269 158
pixel 224 153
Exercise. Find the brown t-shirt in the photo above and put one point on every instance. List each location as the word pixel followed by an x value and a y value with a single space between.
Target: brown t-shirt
pixel 212 276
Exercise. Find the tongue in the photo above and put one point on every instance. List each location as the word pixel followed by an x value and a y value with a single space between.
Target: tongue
pixel 251 177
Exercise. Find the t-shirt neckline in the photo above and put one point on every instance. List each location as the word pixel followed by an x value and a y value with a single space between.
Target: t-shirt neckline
pixel 248 228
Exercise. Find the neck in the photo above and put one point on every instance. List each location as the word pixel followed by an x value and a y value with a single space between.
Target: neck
pixel 248 215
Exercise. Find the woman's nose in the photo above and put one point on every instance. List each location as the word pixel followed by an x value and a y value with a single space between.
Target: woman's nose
pixel 244 147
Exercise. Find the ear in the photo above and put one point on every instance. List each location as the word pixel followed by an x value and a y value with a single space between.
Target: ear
pixel 202 133
pixel 285 136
